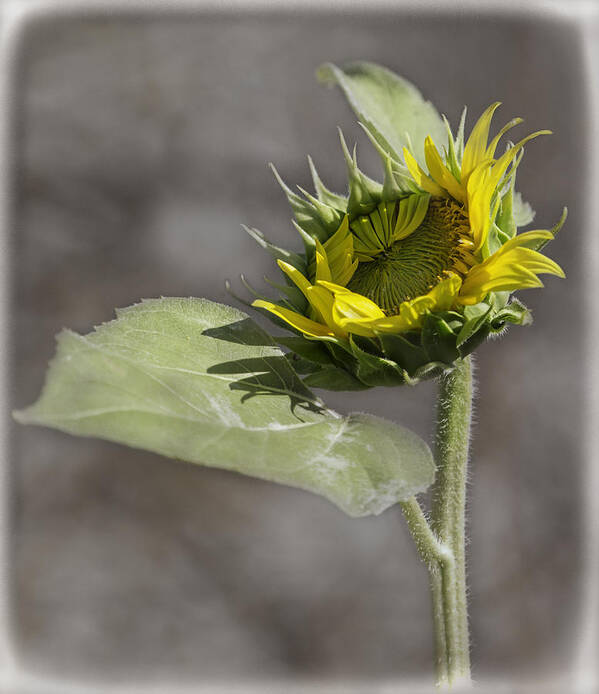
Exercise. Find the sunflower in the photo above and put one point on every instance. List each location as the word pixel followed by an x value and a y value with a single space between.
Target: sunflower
pixel 436 240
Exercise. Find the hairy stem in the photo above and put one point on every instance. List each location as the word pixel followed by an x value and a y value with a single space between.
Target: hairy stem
pixel 454 413
pixel 438 558
pixel 441 544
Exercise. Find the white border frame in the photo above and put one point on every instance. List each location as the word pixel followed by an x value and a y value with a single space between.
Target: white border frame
pixel 16 16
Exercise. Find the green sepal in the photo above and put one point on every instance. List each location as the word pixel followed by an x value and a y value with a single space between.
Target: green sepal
pixel 539 245
pixel 294 296
pixel 330 217
pixel 339 349
pixel 254 292
pixel 307 215
pixel 311 350
pixel 453 163
pixel 439 340
pixel 278 253
pixel 505 217
pixel 408 358
pixel 334 378
pixel 427 372
pixel 515 312
pixel 339 202
pixel 232 293
pixel 397 179
pixel 308 241
pixel 475 316
pixel 383 148
pixel 406 354
pixel 475 340
pixel 364 192
pixel 494 241
pixel 374 370
pixel 459 138
pixel 497 300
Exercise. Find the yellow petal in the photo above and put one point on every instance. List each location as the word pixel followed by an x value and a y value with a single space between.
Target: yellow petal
pixel 339 251
pixel 347 272
pixel 353 306
pixel 412 210
pixel 350 304
pixel 440 173
pixel 335 288
pixel 323 272
pixel 490 153
pixel 531 260
pixel 512 267
pixel 295 276
pixel 475 288
pixel 501 165
pixel 296 320
pixel 444 293
pixel 319 303
pixel 406 320
pixel 476 146
pixel 392 325
pixel 351 312
pixel 424 181
pixel 322 301
pixel 524 239
pixel 441 297
pixel 339 237
pixel 340 242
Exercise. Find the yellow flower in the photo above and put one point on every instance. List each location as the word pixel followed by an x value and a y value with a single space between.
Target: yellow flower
pixel 434 248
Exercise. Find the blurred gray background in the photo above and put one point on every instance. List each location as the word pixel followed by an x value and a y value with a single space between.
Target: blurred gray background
pixel 142 146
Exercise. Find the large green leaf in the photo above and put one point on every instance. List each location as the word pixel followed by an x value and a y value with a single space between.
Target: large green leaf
pixel 201 382
pixel 390 107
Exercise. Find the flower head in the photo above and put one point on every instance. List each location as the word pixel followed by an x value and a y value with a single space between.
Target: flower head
pixel 417 271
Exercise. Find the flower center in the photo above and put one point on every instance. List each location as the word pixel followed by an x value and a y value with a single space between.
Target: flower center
pixel 413 265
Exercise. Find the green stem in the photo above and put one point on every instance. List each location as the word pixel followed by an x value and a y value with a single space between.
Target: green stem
pixel 436 557
pixel 441 544
pixel 454 413
pixel 440 637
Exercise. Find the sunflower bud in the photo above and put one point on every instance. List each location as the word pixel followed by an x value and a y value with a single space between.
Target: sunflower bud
pixel 400 279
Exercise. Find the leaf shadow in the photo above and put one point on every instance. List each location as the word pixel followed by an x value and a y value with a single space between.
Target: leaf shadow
pixel 241 332
pixel 264 376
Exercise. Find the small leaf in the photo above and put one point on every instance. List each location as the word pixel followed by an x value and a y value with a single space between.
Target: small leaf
pixel 201 382
pixel 388 105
